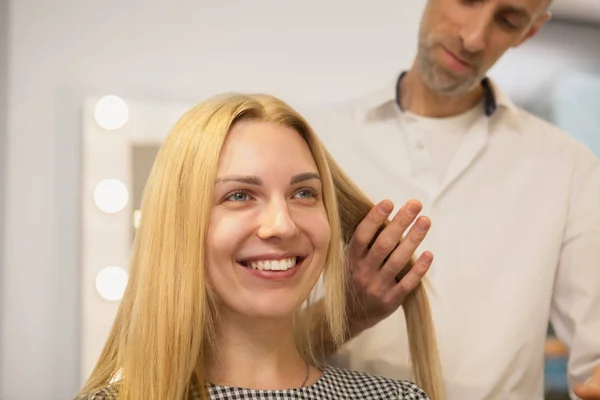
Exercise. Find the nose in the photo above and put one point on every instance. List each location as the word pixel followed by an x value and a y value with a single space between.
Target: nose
pixel 277 222
pixel 475 30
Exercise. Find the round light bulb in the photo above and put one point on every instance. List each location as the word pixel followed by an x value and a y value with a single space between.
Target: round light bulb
pixel 111 112
pixel 111 283
pixel 111 196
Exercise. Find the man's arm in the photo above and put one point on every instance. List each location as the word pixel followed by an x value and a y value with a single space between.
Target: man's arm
pixel 575 313
pixel 375 294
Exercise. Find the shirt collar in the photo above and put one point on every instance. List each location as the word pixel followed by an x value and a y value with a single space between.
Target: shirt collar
pixel 494 98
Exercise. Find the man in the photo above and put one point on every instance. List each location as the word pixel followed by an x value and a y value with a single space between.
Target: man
pixel 515 206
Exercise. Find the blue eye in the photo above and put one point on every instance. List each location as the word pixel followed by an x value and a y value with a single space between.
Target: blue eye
pixel 238 196
pixel 305 194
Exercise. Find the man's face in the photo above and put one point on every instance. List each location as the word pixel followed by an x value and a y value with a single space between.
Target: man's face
pixel 460 40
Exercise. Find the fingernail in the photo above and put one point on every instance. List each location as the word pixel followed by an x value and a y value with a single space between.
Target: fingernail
pixel 384 208
pixel 422 225
pixel 412 210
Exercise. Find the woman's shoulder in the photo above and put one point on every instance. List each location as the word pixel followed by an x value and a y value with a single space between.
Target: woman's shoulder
pixel 374 386
pixel 106 393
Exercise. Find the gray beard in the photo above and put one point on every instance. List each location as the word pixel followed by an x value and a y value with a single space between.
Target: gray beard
pixel 442 82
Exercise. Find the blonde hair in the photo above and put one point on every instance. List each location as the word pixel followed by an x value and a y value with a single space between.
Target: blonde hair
pixel 164 332
pixel 353 206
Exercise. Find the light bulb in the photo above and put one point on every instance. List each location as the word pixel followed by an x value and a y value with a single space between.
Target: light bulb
pixel 111 195
pixel 111 282
pixel 111 112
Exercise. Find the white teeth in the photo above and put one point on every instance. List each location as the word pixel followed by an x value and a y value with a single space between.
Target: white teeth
pixel 273 265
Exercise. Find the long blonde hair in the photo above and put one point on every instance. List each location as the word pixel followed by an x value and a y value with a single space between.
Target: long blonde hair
pixel 164 332
pixel 353 206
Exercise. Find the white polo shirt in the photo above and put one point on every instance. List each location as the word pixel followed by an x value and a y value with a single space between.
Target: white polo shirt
pixel 515 210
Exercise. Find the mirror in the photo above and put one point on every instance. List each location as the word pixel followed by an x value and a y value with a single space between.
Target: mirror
pixel 117 159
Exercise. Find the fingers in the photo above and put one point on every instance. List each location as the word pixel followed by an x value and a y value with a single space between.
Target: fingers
pixel 595 379
pixel 587 392
pixel 405 251
pixel 378 254
pixel 389 238
pixel 590 389
pixel 367 228
pixel 409 282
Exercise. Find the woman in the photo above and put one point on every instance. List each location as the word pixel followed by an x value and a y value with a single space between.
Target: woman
pixel 240 219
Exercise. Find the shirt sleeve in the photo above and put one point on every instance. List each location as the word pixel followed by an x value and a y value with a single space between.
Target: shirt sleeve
pixel 575 311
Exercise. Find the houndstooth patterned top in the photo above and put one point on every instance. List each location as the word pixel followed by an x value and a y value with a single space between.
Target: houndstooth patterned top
pixel 335 384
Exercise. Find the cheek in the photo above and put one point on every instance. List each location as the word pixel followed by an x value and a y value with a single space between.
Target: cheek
pixel 494 50
pixel 214 260
pixel 225 234
pixel 317 229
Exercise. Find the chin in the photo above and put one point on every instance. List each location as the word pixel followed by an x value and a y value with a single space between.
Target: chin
pixel 270 308
pixel 443 83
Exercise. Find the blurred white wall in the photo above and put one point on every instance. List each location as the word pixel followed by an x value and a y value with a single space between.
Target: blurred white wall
pixel 578 10
pixel 308 52
pixel 561 49
pixel 3 152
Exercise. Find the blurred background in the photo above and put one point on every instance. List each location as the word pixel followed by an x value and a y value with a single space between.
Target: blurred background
pixel 71 178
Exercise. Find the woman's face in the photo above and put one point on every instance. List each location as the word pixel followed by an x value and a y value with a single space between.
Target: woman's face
pixel 268 232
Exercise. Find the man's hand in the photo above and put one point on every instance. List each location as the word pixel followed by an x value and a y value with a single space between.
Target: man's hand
pixel 373 269
pixel 590 390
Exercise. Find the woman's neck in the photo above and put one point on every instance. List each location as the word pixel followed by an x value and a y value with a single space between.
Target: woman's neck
pixel 257 354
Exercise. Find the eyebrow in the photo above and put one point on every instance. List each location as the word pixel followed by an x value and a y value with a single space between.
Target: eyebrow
pixel 521 12
pixel 304 177
pixel 249 179
pixel 255 180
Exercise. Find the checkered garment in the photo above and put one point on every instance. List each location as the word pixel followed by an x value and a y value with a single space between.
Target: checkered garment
pixel 335 384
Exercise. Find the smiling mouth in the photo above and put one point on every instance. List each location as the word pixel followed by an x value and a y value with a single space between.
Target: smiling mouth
pixel 273 265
